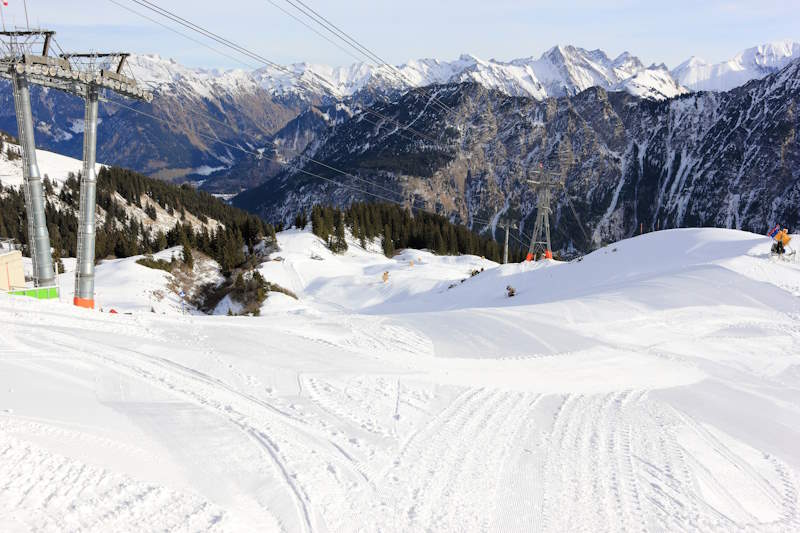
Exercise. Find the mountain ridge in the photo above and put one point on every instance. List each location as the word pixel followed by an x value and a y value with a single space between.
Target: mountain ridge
pixel 751 63
pixel 695 160
pixel 248 110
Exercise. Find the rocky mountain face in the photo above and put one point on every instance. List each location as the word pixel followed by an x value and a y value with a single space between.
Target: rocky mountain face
pixel 301 134
pixel 211 114
pixel 728 159
pixel 208 110
pixel 200 107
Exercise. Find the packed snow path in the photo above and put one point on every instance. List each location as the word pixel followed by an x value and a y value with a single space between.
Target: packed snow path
pixel 651 386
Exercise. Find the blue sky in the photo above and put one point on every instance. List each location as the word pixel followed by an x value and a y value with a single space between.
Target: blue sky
pixel 398 30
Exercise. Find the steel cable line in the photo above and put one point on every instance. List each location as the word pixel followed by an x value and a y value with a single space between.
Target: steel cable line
pixel 398 73
pixel 208 33
pixel 299 169
pixel 311 159
pixel 173 30
pixel 221 40
pixel 231 44
pixel 304 23
pixel 353 43
pixel 244 51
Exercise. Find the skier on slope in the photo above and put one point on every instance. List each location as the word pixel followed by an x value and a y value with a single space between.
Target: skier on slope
pixel 781 238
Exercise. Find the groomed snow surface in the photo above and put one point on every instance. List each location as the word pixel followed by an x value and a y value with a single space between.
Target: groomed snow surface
pixel 651 386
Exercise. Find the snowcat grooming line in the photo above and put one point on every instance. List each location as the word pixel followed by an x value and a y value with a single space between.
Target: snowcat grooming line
pixel 83 75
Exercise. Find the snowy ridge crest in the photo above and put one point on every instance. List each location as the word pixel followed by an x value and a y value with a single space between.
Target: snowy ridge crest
pixel 560 71
pixel 757 62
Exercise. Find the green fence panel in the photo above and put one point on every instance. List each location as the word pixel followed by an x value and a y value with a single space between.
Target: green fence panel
pixel 40 293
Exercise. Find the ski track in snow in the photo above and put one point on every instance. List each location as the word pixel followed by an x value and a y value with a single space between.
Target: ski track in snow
pixel 43 491
pixel 337 426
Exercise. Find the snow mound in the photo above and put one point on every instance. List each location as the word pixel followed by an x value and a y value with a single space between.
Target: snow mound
pixel 354 280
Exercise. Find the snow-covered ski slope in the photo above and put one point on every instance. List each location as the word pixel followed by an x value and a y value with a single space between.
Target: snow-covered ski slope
pixel 652 386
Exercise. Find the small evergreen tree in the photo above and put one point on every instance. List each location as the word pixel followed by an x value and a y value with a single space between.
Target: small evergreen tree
pixel 188 260
pixel 338 243
pixel 317 223
pixel 388 245
pixel 161 241
pixel 301 220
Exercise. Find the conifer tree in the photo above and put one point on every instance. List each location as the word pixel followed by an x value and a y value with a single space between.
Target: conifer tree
pixel 388 245
pixel 338 241
pixel 188 259
pixel 161 241
pixel 438 241
pixel 317 222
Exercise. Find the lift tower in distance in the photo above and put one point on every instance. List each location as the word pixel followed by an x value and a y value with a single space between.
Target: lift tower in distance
pixel 548 181
pixel 540 240
pixel 103 71
pixel 24 60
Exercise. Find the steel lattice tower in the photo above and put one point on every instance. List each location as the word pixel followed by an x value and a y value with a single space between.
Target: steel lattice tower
pixel 540 240
pixel 548 180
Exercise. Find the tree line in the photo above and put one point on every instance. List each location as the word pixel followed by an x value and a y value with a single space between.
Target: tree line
pixel 399 228
pixel 123 235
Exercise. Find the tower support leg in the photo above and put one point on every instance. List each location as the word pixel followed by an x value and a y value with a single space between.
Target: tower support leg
pixel 505 247
pixel 38 236
pixel 549 250
pixel 84 270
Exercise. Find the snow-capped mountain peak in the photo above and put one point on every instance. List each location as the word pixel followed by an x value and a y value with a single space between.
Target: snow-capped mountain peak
pixel 162 74
pixel 561 70
pixel 752 63
pixel 655 83
pixel 774 54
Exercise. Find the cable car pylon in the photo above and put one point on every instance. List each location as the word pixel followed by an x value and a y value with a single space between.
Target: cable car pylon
pixel 544 185
pixel 23 67
pixel 79 74
pixel 98 78
pixel 540 240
